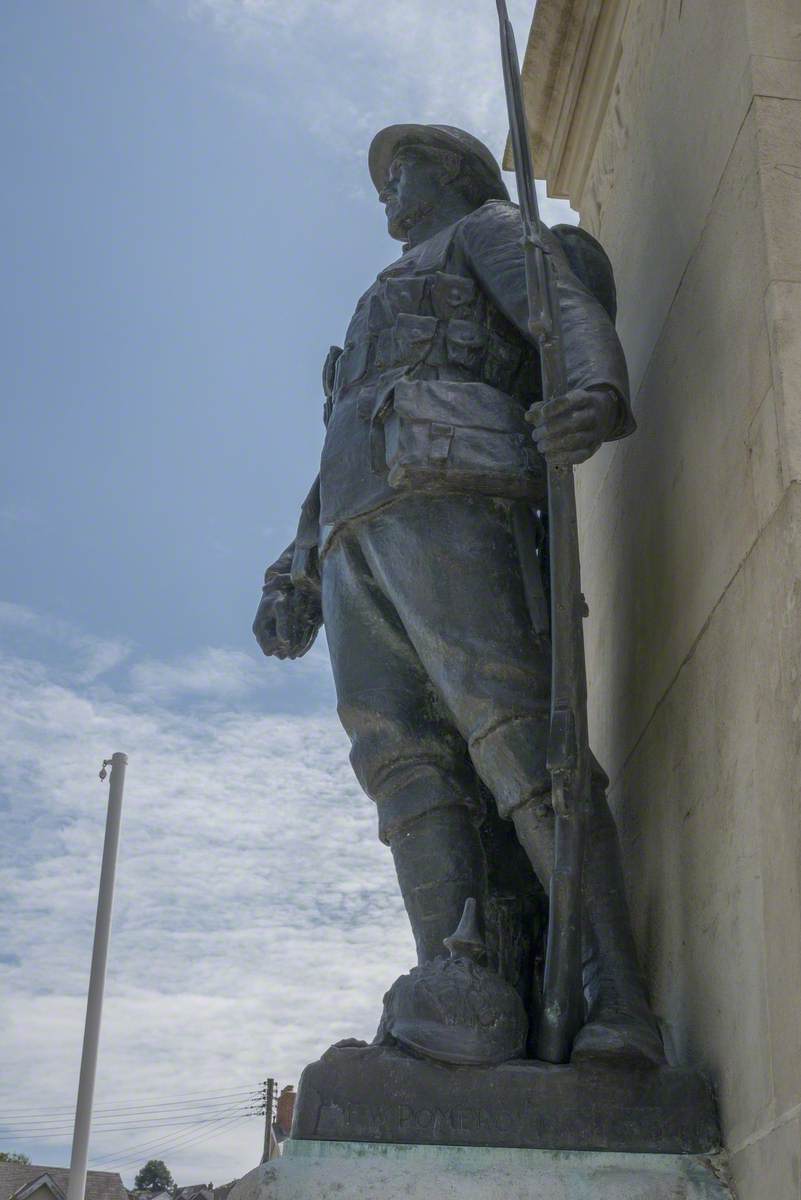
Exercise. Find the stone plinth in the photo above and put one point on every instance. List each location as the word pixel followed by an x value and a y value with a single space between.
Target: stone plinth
pixel 333 1170
pixel 379 1094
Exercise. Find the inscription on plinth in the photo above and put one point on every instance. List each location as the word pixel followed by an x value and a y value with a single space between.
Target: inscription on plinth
pixel 411 1123
pixel 518 1104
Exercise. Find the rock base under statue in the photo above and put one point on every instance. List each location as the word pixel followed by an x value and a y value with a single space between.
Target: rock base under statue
pixel 381 1094
pixel 334 1170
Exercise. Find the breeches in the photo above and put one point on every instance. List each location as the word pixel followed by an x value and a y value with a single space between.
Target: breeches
pixel 440 678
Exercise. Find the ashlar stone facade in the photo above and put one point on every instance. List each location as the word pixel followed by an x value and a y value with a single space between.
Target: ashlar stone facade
pixel 674 127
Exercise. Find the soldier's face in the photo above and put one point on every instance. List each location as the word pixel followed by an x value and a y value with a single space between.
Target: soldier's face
pixel 414 184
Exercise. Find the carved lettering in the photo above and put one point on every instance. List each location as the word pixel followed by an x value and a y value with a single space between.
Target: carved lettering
pixel 404 1120
pixel 405 1115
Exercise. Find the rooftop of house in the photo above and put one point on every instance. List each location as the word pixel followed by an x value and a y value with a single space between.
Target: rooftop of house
pixel 19 1180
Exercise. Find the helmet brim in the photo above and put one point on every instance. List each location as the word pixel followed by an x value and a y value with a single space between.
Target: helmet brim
pixel 458 1045
pixel 387 142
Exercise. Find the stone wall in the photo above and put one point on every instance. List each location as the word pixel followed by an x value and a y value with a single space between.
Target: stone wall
pixel 675 128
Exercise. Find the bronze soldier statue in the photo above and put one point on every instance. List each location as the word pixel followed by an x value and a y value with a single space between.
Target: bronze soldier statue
pixel 413 541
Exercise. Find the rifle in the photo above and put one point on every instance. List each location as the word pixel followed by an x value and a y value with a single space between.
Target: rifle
pixel 568 758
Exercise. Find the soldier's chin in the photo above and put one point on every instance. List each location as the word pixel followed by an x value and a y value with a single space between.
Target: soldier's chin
pixel 402 221
pixel 397 227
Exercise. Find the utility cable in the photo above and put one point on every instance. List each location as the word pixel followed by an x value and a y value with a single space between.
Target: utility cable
pixel 165 1146
pixel 168 1150
pixel 178 1147
pixel 176 1131
pixel 193 1098
pixel 247 1108
pixel 20 1125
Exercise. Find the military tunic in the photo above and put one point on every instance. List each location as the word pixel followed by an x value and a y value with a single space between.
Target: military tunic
pixel 441 678
pixel 453 308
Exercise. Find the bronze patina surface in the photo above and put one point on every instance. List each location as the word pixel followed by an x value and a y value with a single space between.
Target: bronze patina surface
pixel 424 548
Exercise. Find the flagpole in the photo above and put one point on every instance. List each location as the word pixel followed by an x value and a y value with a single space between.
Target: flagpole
pixel 97 979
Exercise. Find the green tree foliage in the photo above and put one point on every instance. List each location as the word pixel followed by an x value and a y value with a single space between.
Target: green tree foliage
pixel 9 1156
pixel 154 1176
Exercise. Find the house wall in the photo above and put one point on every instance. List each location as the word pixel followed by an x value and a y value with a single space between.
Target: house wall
pixel 41 1193
pixel 680 145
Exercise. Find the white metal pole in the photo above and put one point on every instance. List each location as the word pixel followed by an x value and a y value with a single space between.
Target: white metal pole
pixel 97 980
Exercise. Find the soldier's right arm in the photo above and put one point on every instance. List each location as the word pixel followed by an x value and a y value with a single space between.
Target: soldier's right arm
pixel 289 615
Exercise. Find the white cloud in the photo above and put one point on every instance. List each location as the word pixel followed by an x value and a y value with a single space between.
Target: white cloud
pixel 85 656
pixel 17 616
pixel 256 916
pixel 345 68
pixel 213 671
pixel 219 673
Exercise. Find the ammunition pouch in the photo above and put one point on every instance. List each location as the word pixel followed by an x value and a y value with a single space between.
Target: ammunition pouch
pixel 436 435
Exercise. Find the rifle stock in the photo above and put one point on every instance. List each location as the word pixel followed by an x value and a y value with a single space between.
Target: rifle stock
pixel 568 747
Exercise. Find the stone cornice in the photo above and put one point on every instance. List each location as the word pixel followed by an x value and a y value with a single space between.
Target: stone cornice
pixel 569 71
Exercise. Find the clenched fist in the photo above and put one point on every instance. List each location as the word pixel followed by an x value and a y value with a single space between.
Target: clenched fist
pixel 287 619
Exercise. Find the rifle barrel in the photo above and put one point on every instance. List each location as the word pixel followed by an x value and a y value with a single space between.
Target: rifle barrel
pixel 568 748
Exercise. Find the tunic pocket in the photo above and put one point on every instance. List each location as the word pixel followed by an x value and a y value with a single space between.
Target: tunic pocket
pixel 404 293
pixel 413 337
pixel 466 342
pixel 452 296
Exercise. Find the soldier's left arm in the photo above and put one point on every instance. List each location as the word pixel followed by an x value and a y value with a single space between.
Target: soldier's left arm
pixel 596 408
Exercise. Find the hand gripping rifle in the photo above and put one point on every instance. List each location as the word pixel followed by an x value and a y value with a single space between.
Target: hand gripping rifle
pixel 568 747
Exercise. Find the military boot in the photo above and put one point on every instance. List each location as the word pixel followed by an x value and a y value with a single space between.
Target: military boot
pixel 620 1024
pixel 440 864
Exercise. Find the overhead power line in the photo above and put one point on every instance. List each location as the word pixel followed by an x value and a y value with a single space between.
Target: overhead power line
pixel 185 1122
pixel 134 1154
pixel 50 1132
pixel 191 1098
pixel 142 1115
pixel 170 1148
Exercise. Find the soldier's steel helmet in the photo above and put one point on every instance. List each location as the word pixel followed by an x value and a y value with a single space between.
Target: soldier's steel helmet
pixel 386 144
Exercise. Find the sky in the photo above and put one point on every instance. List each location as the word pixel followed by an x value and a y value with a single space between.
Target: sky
pixel 188 223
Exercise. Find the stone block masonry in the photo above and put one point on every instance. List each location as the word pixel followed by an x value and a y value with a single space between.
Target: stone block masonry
pixel 674 126
pixel 333 1170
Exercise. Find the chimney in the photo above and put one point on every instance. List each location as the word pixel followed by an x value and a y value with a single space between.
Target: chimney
pixel 285 1108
